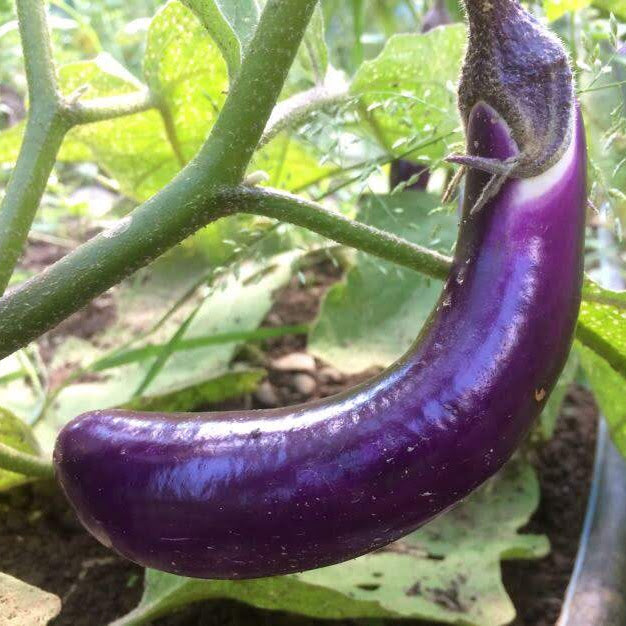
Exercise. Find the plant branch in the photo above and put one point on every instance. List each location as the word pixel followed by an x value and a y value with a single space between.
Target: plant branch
pixel 42 140
pixel 297 108
pixel 44 133
pixel 43 301
pixel 19 462
pixel 183 206
pixel 98 109
pixel 37 51
pixel 343 230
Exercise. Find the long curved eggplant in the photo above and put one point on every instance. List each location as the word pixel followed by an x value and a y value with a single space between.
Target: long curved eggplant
pixel 260 493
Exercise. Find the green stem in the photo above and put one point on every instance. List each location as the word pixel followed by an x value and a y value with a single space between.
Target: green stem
pixel 43 301
pixel 294 210
pixel 44 134
pixel 155 226
pixel 37 51
pixel 19 462
pixel 292 111
pixel 99 109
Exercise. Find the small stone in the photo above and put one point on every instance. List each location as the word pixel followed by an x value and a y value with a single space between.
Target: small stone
pixel 330 375
pixel 294 362
pixel 266 394
pixel 304 384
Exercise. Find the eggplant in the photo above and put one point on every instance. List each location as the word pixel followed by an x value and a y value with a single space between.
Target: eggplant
pixel 245 494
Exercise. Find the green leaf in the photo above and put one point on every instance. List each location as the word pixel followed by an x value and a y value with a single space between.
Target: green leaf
pixel 16 434
pixel 22 604
pixel 236 304
pixel 448 571
pixel 557 8
pixel 609 388
pixel 601 345
pixel 185 68
pixel 230 24
pixel 409 90
pixel 229 385
pixel 354 337
pixel 312 58
pixel 617 7
pixel 602 324
pixel 290 163
pixel 552 409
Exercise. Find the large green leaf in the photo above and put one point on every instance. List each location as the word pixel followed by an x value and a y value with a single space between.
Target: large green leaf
pixel 186 70
pixel 22 604
pixel 16 434
pixel 231 24
pixel 410 88
pixel 289 162
pixel 601 345
pixel 238 302
pixel 373 316
pixel 609 388
pixel 557 8
pixel 618 7
pixel 447 571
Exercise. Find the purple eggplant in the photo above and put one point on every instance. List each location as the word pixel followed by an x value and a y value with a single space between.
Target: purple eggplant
pixel 246 494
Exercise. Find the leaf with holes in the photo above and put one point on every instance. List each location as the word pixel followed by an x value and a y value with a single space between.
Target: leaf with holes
pixel 448 571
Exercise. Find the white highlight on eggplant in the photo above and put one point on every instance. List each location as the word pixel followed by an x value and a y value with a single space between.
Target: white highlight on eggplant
pixel 533 188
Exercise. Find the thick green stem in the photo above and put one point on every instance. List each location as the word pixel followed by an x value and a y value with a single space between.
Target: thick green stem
pixel 99 109
pixel 43 301
pixel 21 463
pixel 294 210
pixel 44 134
pixel 187 203
pixel 35 37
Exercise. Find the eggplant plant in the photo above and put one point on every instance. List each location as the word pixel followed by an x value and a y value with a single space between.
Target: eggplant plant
pixel 272 492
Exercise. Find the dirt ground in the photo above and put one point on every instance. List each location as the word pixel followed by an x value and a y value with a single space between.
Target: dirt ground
pixel 42 543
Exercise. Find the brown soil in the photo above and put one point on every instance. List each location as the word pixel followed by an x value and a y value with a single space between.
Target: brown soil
pixel 42 543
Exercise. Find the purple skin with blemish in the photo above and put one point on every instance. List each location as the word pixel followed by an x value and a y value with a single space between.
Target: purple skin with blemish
pixel 260 493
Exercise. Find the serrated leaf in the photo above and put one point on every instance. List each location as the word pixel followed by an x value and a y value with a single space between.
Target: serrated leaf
pixel 414 80
pixel 16 434
pixel 22 604
pixel 354 336
pixel 447 571
pixel 230 24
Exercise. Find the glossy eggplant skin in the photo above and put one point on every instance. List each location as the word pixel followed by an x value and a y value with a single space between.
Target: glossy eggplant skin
pixel 261 493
